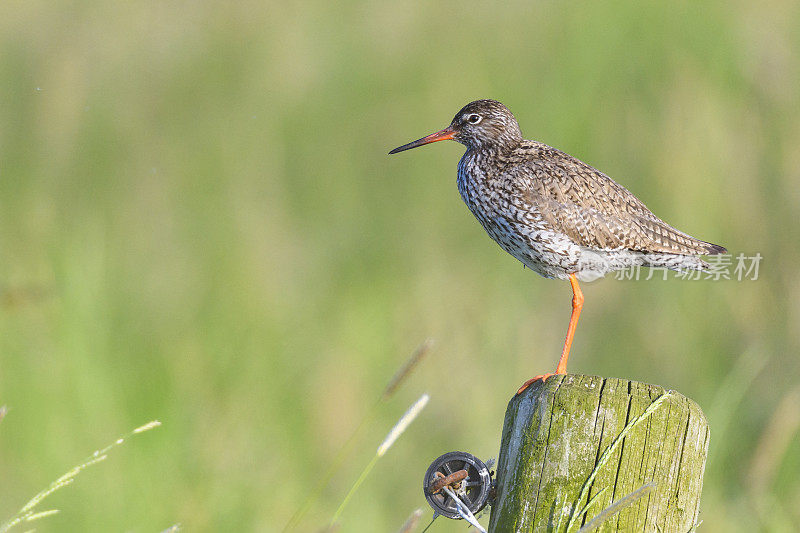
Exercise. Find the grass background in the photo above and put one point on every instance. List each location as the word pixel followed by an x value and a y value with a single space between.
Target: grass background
pixel 199 223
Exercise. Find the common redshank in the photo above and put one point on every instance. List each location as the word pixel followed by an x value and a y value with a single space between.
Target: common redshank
pixel 559 216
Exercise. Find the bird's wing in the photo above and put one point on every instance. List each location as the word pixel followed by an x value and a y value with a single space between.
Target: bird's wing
pixel 595 211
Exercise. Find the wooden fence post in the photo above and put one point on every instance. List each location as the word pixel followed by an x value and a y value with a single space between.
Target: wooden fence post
pixel 576 440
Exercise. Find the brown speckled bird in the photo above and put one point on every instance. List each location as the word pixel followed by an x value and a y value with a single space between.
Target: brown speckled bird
pixel 559 216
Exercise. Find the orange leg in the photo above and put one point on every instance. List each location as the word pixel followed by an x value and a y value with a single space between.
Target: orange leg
pixel 577 305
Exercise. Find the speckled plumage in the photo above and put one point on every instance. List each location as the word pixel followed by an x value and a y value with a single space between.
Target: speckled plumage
pixel 554 213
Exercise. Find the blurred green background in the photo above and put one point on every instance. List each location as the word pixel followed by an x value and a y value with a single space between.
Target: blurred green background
pixel 199 224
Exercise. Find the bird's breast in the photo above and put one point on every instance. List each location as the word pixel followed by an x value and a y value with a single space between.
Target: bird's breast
pixel 485 192
pixel 474 186
pixel 489 202
pixel 517 226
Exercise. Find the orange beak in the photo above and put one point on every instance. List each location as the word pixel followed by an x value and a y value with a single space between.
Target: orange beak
pixel 445 135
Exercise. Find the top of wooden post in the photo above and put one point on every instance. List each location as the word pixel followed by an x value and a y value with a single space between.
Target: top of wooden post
pixel 576 439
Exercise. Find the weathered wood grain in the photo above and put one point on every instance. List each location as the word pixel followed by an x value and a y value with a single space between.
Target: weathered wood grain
pixel 554 439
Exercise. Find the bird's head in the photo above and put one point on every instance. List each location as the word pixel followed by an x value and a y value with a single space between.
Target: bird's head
pixel 479 124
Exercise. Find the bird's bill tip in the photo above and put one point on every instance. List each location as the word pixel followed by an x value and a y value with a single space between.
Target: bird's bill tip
pixel 444 135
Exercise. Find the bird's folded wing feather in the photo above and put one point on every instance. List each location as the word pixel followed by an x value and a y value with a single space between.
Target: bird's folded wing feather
pixel 594 211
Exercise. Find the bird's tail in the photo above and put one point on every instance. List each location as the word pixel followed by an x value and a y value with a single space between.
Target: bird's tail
pixel 675 262
pixel 714 249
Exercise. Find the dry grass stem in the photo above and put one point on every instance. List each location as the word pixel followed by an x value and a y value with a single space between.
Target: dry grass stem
pixel 397 380
pixel 412 522
pixel 387 443
pixel 27 513
pixel 616 507
pixel 402 374
pixel 574 517
pixel 403 424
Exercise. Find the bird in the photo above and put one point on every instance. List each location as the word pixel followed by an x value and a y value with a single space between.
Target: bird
pixel 559 216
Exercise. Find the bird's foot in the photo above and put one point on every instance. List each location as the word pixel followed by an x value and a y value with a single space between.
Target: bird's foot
pixel 531 381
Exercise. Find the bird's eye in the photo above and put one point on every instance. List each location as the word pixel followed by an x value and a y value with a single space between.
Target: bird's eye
pixel 473 118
